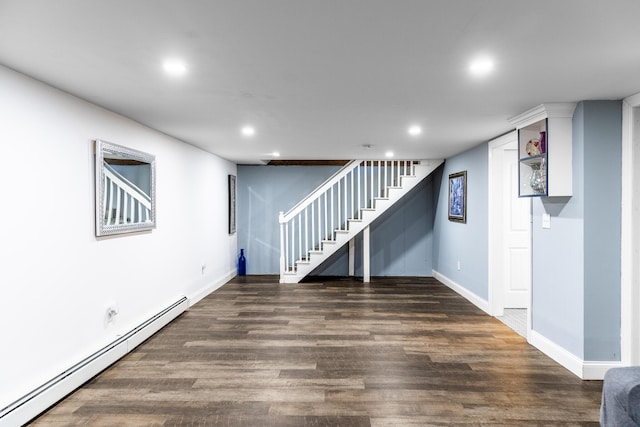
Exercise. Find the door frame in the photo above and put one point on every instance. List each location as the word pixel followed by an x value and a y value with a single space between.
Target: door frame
pixel 630 234
pixel 496 242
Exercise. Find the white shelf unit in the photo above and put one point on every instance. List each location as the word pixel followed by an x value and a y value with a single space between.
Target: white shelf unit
pixel 548 172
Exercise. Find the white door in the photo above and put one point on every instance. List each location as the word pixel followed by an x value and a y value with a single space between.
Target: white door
pixel 516 232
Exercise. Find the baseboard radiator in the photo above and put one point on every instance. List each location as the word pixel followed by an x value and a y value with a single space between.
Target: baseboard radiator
pixel 38 400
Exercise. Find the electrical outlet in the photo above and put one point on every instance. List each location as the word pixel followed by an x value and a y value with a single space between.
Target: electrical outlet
pixel 458 265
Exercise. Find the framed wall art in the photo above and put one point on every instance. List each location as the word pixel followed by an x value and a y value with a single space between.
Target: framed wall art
pixel 458 197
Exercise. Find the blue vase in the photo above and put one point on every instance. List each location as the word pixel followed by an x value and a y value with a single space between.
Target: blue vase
pixel 242 264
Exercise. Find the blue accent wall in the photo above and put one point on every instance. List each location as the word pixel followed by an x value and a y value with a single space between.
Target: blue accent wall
pixel 262 193
pixel 602 225
pixel 467 243
pixel 401 239
pixel 558 257
pixel 576 263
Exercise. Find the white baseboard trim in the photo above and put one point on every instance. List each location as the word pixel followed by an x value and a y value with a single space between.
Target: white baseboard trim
pixel 210 287
pixel 586 370
pixel 570 361
pixel 595 370
pixel 32 404
pixel 473 298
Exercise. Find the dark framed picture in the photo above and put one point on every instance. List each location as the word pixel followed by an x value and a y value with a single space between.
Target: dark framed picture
pixel 458 197
pixel 232 204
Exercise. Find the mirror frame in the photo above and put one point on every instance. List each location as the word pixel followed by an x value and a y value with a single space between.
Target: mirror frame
pixel 105 150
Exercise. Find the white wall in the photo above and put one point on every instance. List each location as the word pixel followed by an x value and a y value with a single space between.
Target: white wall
pixel 56 278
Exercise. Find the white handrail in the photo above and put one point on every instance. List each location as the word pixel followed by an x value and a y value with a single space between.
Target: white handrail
pixel 319 190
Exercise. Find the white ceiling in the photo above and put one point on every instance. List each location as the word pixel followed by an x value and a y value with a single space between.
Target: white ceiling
pixel 318 79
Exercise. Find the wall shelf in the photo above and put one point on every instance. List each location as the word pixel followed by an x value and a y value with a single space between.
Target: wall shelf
pixel 545 150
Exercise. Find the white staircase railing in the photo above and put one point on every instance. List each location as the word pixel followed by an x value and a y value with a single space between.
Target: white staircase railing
pixel 124 202
pixel 326 212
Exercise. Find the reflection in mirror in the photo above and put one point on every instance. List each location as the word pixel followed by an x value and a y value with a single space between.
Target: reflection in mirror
pixel 125 189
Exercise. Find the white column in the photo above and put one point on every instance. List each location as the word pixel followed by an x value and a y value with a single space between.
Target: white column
pixel 366 265
pixel 352 257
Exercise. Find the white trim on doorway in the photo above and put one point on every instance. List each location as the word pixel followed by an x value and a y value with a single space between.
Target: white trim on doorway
pixel 497 289
pixel 630 233
pixel 496 305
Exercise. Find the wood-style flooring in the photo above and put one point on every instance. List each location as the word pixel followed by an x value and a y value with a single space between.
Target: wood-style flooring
pixel 333 352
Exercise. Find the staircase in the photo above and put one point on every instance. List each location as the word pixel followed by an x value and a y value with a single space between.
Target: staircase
pixel 340 208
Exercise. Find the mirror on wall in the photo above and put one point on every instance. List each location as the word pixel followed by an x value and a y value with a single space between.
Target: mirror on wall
pixel 125 189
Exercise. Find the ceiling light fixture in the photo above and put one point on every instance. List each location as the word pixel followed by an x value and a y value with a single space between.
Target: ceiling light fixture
pixel 248 131
pixel 389 154
pixel 414 130
pixel 174 67
pixel 275 154
pixel 481 67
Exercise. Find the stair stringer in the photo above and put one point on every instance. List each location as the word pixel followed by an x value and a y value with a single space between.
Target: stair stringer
pixel 368 215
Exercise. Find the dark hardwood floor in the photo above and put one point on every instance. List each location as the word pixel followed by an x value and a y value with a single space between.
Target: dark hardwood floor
pixel 335 352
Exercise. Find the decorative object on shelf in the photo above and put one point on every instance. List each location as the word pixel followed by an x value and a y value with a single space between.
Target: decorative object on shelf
pixel 242 264
pixel 543 142
pixel 125 181
pixel 232 204
pixel 458 197
pixel 533 147
pixel 536 181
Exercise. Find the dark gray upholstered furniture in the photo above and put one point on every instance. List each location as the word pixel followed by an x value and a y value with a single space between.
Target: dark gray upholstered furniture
pixel 621 398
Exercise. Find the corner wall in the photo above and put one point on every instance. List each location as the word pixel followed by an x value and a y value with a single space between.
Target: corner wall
pixel 57 278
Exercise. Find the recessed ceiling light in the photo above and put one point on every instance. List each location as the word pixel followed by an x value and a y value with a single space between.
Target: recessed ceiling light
pixel 414 130
pixel 481 67
pixel 248 131
pixel 389 154
pixel 174 67
pixel 275 154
